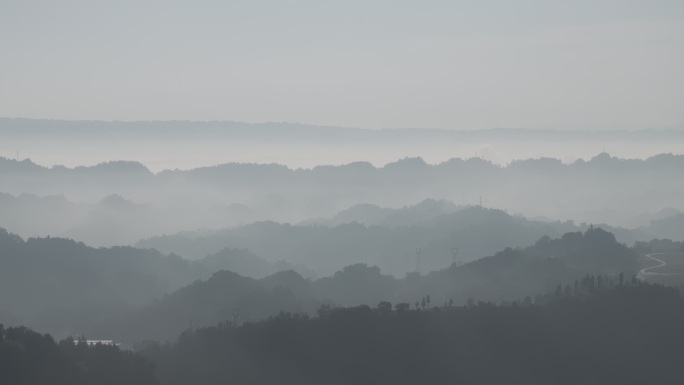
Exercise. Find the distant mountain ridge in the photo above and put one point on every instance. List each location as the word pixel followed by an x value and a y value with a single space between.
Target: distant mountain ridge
pixel 605 190
pixel 475 231
pixel 194 129
pixel 369 214
pixel 543 164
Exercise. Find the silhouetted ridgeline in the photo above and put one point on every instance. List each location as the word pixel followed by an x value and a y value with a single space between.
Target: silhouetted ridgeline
pixel 476 231
pixel 621 192
pixel 623 335
pixel 628 333
pixel 64 288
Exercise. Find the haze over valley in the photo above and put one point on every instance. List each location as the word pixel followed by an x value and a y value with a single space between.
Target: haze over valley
pixel 406 223
pixel 306 192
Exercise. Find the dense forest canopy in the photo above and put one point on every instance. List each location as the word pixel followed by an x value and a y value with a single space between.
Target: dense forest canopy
pixel 27 357
pixel 627 333
pixel 620 335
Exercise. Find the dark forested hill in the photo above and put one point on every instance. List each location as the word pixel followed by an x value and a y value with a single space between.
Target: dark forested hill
pixel 623 334
pixel 515 273
pixel 29 358
pixel 224 296
pixel 618 335
pixel 64 287
pixel 42 272
pixel 581 260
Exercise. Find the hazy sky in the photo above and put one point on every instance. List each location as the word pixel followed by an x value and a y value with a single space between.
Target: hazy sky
pixel 450 64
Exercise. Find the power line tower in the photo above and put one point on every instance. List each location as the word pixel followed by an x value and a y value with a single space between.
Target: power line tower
pixel 419 253
pixel 454 251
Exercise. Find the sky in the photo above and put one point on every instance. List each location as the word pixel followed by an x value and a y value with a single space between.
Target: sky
pixel 372 64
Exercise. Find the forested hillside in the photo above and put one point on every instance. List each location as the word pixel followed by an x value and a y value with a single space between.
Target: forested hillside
pixel 627 333
pixel 620 335
pixel 574 260
pixel 29 358
pixel 63 286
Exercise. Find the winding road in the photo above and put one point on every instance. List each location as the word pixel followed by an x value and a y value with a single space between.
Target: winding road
pixel 646 272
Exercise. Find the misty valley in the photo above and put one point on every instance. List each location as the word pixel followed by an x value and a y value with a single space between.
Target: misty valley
pixel 534 272
pixel 347 192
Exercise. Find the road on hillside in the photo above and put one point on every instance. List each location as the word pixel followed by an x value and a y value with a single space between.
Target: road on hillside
pixel 646 272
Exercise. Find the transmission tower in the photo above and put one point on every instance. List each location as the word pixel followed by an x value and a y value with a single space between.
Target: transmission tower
pixel 454 251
